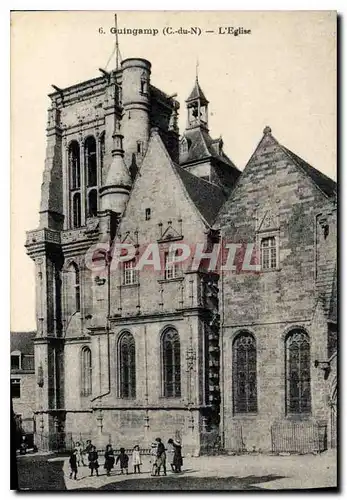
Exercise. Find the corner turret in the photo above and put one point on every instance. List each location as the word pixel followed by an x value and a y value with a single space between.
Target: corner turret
pixel 115 192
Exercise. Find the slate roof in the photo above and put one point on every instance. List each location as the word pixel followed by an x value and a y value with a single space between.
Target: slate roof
pixel 207 197
pixel 325 184
pixel 23 342
pixel 201 146
pixel 197 93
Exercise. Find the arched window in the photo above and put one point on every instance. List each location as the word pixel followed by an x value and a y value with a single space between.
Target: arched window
pixel 86 371
pixel 76 210
pixel 74 165
pixel 127 366
pixel 298 386
pixel 244 374
pixel 76 283
pixel 90 161
pixel 171 359
pixel 92 203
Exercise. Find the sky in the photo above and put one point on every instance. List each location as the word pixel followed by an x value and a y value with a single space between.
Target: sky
pixel 282 74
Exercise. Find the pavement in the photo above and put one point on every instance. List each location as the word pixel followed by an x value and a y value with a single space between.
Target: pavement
pixel 266 472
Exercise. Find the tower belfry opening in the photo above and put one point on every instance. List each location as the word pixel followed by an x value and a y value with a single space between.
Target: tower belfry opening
pixel 197 107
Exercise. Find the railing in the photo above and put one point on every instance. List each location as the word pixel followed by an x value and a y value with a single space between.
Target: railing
pixel 298 437
pixel 65 442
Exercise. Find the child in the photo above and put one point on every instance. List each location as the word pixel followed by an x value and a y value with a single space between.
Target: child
pixel 93 461
pixel 88 448
pixel 136 459
pixel 153 459
pixel 79 455
pixel 73 464
pixel 109 459
pixel 123 460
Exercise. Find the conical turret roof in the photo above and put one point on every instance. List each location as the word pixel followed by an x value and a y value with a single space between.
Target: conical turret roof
pixel 118 173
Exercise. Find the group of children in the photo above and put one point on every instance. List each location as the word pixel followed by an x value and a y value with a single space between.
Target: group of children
pixel 78 454
pixel 158 458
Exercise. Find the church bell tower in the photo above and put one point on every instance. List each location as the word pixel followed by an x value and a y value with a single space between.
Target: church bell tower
pixel 197 107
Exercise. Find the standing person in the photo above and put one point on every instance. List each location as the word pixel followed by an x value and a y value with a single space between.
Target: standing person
pixel 170 454
pixel 161 456
pixel 123 460
pixel 136 459
pixel 93 461
pixel 153 459
pixel 177 459
pixel 109 459
pixel 88 448
pixel 79 455
pixel 73 464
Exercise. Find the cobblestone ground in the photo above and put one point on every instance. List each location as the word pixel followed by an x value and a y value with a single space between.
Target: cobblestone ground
pixel 248 472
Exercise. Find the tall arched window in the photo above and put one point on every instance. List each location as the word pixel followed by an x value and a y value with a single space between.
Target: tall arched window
pixel 127 366
pixel 90 161
pixel 298 383
pixel 92 203
pixel 245 374
pixel 76 210
pixel 74 165
pixel 86 371
pixel 171 363
pixel 76 283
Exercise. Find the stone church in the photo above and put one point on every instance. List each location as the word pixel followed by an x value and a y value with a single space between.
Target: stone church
pixel 233 360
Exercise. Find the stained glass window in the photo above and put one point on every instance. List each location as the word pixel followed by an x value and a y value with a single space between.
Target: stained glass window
pixel 171 353
pixel 127 366
pixel 86 372
pixel 298 372
pixel 245 374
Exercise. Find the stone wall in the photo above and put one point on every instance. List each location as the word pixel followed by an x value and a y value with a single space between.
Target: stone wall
pixel 273 198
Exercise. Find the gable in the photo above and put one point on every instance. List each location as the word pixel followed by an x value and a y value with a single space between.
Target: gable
pixel 274 173
pixel 160 189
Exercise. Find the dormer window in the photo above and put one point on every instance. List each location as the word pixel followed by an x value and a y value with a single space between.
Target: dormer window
pixel 184 148
pixel 15 360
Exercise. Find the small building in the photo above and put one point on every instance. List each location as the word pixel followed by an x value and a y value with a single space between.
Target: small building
pixel 23 387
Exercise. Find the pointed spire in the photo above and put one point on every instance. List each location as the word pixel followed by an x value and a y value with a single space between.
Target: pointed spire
pixel 117 140
pixel 197 93
pixel 118 174
pixel 197 107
